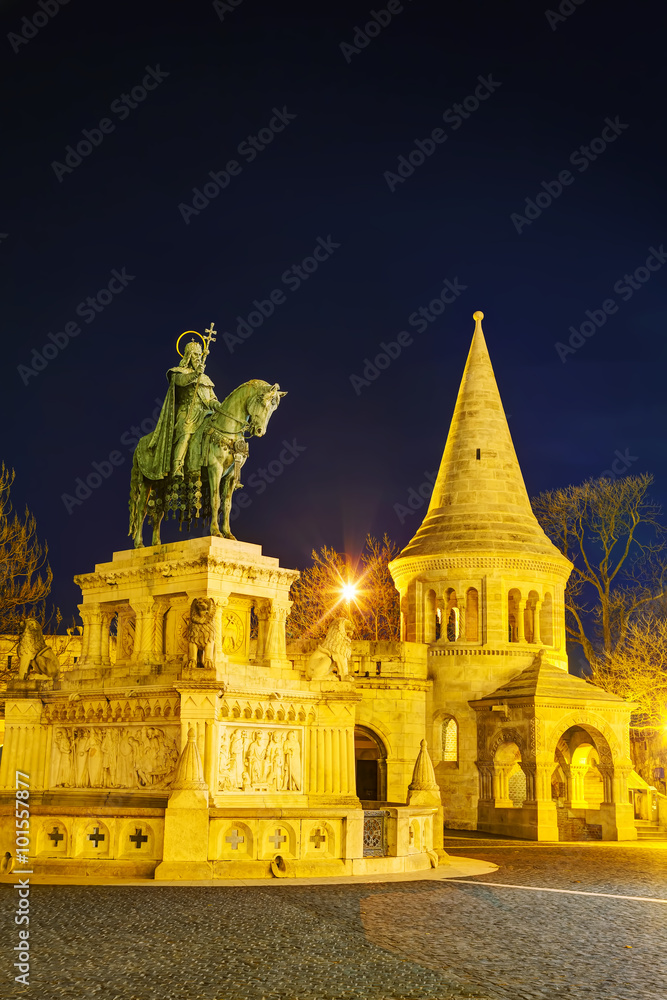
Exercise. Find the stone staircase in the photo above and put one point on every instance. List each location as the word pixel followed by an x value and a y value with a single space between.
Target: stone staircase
pixel 646 830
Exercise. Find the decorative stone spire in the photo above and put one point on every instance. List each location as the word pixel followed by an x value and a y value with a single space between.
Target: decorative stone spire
pixel 423 776
pixel 479 501
pixel 190 770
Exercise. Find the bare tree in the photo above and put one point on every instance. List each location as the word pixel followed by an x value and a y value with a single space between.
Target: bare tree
pixel 638 671
pixel 25 575
pixel 611 532
pixel 318 595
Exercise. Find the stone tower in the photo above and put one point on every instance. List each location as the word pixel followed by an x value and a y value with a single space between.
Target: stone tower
pixel 480 582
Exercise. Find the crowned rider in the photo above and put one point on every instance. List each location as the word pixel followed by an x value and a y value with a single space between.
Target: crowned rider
pixel 190 398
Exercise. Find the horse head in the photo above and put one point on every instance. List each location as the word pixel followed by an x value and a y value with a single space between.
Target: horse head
pixel 260 407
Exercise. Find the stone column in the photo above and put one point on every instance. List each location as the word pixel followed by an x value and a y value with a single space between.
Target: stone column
pixel 501 773
pixel 144 639
pixel 275 654
pixel 485 781
pixel 577 795
pixel 91 615
pixel 162 605
pixel 520 637
pixel 107 618
pixel 530 770
pixel 536 623
pixel 351 764
pixel 607 775
pixel 262 609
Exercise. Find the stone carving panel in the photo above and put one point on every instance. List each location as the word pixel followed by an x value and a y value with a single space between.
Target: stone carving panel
pixel 114 756
pixel 233 632
pixel 260 760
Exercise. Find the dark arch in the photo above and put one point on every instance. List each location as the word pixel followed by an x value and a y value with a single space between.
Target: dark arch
pixel 370 756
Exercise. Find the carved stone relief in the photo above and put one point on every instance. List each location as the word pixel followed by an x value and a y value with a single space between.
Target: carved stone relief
pixel 260 760
pixel 114 756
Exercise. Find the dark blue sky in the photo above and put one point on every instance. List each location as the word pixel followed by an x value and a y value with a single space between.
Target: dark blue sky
pixel 329 174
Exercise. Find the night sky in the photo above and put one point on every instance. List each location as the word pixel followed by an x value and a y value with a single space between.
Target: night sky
pixel 305 116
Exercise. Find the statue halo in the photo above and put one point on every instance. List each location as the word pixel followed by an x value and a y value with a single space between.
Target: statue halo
pixel 180 353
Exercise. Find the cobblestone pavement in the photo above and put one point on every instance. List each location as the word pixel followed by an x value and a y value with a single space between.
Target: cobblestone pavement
pixel 398 941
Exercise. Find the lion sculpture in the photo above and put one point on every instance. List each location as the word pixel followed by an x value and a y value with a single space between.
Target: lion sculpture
pixel 200 633
pixel 33 653
pixel 333 655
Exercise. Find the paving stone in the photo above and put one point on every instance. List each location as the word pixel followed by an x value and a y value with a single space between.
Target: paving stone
pixel 393 941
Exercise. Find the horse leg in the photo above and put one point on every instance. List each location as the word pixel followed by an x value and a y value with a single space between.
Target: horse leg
pixel 214 473
pixel 227 493
pixel 140 513
pixel 157 521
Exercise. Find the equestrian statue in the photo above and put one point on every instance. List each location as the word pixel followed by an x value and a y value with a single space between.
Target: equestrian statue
pixel 190 465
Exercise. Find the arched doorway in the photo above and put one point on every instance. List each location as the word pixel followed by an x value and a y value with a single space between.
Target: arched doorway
pixel 370 756
pixel 582 782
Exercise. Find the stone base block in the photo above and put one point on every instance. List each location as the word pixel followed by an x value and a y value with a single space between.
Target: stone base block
pixel 391 866
pixel 91 868
pixel 184 871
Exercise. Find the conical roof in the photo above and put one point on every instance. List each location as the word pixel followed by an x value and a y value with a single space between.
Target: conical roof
pixel 479 502
pixel 544 680
pixel 190 770
pixel 423 775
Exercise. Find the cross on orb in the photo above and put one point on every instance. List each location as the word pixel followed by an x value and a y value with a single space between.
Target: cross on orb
pixel 96 836
pixel 318 838
pixel 277 839
pixel 235 839
pixel 57 836
pixel 138 838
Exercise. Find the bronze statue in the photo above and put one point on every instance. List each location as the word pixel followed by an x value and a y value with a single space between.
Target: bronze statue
pixel 198 447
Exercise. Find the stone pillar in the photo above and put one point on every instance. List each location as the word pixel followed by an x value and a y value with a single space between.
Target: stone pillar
pixel 576 793
pixel 107 618
pixel 417 610
pixel 607 773
pixel 485 781
pixel 23 733
pixel 186 820
pixel 351 764
pixel 262 609
pixel 536 623
pixel 91 615
pixel 530 770
pixel 520 636
pixel 617 816
pixel 275 654
pixel 159 648
pixel 144 639
pixel 501 773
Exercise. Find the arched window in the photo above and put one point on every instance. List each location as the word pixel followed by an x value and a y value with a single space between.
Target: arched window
pixel 429 616
pixel 438 624
pixel 547 621
pixel 472 613
pixel 452 615
pixel 529 616
pixel 513 603
pixel 450 740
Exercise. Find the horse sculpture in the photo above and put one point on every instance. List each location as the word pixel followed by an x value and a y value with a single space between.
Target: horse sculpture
pixel 216 454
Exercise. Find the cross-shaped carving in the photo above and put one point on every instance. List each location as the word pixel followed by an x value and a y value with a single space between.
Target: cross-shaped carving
pixel 235 839
pixel 277 839
pixel 56 835
pixel 138 838
pixel 318 838
pixel 96 836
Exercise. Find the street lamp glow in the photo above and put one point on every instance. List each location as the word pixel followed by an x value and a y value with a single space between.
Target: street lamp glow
pixel 349 591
